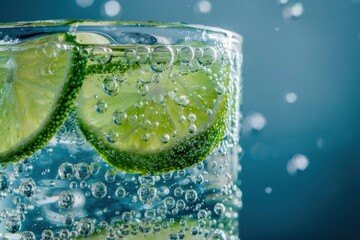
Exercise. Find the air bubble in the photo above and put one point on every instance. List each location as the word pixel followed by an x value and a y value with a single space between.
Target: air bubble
pixel 119 117
pixel 220 89
pixel 146 124
pixel 94 168
pixel 66 200
pixel 169 202
pixel 120 192
pixel 68 220
pixel 130 56
pixel 21 208
pixel 192 117
pixel 66 171
pixel 64 234
pixel 218 235
pixel 167 176
pixel 27 188
pixel 201 214
pixel 142 54
pixel 146 180
pixel 99 190
pixel 4 181
pixel 199 179
pixel 82 171
pixel 101 106
pixel 208 56
pixel 219 208
pixel 110 86
pixel 194 230
pixel 164 138
pixel 191 195
pixel 182 100
pixel 161 58
pixel 182 119
pixel 110 175
pixel 192 128
pixel 101 54
pixel 145 137
pixel 112 136
pixel 178 191
pixel 47 235
pixel 27 235
pixel 158 99
pixel 146 194
pixel 186 54
pixel 86 227
pixel 12 224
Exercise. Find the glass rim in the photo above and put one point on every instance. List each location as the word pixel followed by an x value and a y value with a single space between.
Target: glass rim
pixel 235 37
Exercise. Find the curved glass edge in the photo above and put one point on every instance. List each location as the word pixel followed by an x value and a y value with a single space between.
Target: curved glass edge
pixel 234 37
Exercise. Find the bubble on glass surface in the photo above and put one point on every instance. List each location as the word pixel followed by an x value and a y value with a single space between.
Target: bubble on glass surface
pixel 84 3
pixel 27 235
pixel 120 192
pixel 27 188
pixel 218 234
pixel 99 190
pixel 86 227
pixel 254 121
pixel 66 200
pixel 268 190
pixel 290 97
pixel 293 11
pixel 12 224
pixel 4 181
pixel 112 8
pixel 47 235
pixel 147 194
pixel 203 7
pixel 298 162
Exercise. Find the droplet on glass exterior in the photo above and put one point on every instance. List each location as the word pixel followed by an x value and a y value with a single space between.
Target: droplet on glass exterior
pixel 66 200
pixel 218 235
pixel 186 54
pixel 161 58
pixel 208 56
pixel 110 175
pixel 68 220
pixel 142 54
pixel 47 235
pixel 4 181
pixel 120 192
pixel 66 171
pixel 182 100
pixel 94 168
pixel 101 106
pixel 164 138
pixel 119 117
pixel 82 171
pixel 130 56
pixel 147 194
pixel 191 195
pixel 86 227
pixel 112 136
pixel 12 224
pixel 99 190
pixel 27 188
pixel 219 208
pixel 101 54
pixel 110 86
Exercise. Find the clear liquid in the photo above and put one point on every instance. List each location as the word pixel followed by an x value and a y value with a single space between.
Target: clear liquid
pixel 67 190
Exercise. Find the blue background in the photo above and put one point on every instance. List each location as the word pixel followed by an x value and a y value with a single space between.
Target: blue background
pixel 317 57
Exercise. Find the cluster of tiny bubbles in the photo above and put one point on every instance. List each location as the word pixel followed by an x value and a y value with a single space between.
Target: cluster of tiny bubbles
pixel 99 190
pixel 27 188
pixel 66 200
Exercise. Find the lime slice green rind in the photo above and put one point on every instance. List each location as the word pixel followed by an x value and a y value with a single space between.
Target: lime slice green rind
pixel 37 105
pixel 186 153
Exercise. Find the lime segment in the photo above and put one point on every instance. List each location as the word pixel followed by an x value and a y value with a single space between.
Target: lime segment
pixel 39 80
pixel 157 114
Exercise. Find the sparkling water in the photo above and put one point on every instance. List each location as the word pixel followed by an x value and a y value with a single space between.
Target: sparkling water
pixel 67 191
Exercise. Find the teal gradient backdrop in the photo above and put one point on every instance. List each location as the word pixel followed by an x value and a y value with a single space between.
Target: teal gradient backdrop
pixel 301 137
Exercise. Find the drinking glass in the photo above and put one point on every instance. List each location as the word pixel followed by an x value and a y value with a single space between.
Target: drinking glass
pixel 161 85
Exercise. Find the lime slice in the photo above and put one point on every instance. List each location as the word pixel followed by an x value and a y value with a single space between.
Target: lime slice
pixel 154 118
pixel 39 80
